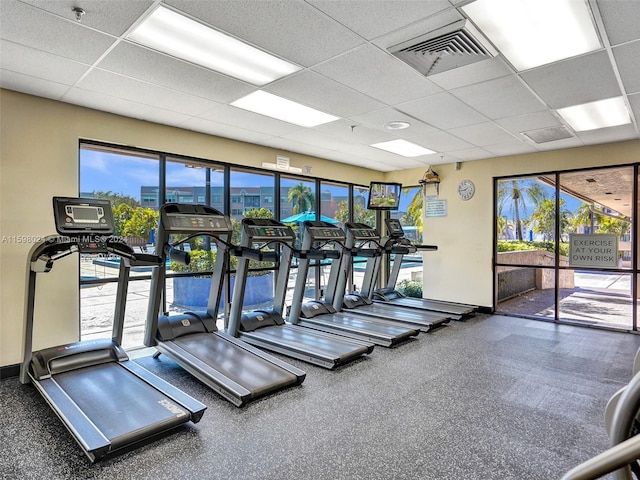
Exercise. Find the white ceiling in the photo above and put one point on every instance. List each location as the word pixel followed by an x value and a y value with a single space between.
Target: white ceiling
pixel 469 113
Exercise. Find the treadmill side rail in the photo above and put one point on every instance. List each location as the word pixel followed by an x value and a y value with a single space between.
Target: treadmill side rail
pixel 88 436
pixel 195 408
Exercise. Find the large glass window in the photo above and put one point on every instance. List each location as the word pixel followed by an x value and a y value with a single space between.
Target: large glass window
pixel 187 286
pixel 130 180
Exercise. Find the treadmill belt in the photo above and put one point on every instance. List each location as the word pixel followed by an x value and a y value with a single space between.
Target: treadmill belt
pixel 307 340
pixel 123 407
pixel 243 367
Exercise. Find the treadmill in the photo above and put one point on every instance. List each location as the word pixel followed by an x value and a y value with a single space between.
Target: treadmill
pixel 106 401
pixel 236 370
pixel 398 244
pixel 321 315
pixel 267 328
pixel 360 238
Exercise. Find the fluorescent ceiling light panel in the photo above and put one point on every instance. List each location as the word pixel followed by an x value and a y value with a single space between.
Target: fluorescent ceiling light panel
pixel 601 114
pixel 176 35
pixel 404 148
pixel 277 107
pixel 530 33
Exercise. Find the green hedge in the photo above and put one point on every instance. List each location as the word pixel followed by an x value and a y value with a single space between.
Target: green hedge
pixel 517 245
pixel 410 288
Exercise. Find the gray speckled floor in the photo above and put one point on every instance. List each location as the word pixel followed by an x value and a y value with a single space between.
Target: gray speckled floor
pixel 490 398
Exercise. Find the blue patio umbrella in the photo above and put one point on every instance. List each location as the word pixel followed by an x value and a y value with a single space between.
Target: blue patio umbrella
pixel 308 215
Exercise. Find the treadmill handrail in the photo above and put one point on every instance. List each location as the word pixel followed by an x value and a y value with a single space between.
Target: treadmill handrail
pixel 611 460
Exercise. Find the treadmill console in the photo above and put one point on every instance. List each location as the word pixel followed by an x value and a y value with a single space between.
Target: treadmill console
pixel 362 232
pixel 185 218
pixel 264 230
pixel 323 231
pixel 89 216
pixel 394 227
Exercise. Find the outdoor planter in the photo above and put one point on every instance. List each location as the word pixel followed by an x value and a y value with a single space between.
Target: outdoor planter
pixel 193 292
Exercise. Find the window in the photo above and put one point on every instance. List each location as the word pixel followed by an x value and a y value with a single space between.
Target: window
pixel 116 175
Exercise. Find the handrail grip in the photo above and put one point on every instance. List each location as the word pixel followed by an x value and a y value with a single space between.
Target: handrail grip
pixel 608 461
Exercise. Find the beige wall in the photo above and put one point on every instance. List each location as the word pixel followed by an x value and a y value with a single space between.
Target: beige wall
pixel 39 159
pixel 460 271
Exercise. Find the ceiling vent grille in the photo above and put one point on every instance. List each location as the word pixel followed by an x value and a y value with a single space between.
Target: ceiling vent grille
pixel 446 48
pixel 550 134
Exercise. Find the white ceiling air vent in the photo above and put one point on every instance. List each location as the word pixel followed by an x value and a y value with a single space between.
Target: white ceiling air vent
pixel 549 134
pixel 452 46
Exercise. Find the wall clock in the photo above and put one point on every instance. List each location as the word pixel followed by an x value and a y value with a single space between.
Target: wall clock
pixel 466 189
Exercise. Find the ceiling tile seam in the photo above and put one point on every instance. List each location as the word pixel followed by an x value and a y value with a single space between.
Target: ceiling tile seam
pixel 597 16
pixel 57 97
pixel 163 87
pixel 488 120
pixel 116 42
pixel 130 101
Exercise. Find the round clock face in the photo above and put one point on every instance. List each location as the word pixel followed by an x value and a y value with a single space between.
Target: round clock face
pixel 466 189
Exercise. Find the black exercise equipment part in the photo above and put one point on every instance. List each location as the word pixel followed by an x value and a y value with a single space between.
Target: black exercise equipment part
pixel 396 243
pixel 106 401
pixel 320 314
pixel 236 370
pixel 363 241
pixel 267 328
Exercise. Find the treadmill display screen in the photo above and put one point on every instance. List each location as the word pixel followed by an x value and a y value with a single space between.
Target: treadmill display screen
pixel 197 223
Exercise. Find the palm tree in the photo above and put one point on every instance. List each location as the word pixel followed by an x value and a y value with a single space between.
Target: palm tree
pixel 414 210
pixel 301 198
pixel 516 193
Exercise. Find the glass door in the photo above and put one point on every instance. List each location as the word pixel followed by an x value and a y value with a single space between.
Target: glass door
pixel 564 246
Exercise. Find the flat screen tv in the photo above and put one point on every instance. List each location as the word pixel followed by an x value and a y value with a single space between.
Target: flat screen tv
pixel 384 196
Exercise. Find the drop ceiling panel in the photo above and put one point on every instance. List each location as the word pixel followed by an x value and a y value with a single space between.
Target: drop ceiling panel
pixel 606 135
pixel 510 148
pixel 113 17
pixel 50 33
pixel 499 98
pixel 574 81
pixel 314 90
pixel 628 60
pixel 621 19
pixel 358 134
pixel 532 121
pixel 127 108
pixel 482 134
pixel 405 163
pixel 473 73
pixel 558 144
pixel 37 63
pixel 222 130
pixel 149 66
pixel 373 72
pixel 251 121
pixel 442 111
pixel 31 85
pixel 441 141
pixel 292 29
pixel 312 137
pixel 138 91
pixel 469 154
pixel 418 28
pixel 289 145
pixel 381 17
pixel 378 118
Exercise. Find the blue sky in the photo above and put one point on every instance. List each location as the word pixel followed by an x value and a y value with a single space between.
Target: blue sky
pixel 123 174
